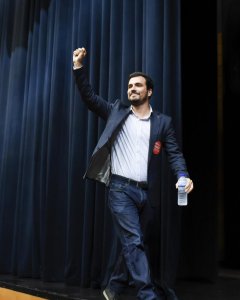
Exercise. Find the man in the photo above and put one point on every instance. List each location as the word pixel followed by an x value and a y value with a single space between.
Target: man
pixel 127 160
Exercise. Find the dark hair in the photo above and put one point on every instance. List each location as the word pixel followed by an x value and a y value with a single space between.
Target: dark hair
pixel 149 81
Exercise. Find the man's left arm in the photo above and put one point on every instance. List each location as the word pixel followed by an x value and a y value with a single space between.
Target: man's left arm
pixel 175 157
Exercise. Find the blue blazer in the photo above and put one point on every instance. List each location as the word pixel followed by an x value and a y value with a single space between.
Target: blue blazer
pixel 162 138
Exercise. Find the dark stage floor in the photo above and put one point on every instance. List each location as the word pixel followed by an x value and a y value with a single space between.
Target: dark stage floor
pixel 227 287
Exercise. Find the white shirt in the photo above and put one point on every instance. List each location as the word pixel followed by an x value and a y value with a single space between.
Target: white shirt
pixel 129 153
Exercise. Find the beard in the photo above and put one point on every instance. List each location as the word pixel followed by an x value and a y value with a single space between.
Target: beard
pixel 138 102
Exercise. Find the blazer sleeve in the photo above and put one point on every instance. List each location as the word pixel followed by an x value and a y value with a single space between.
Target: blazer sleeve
pixel 94 102
pixel 174 154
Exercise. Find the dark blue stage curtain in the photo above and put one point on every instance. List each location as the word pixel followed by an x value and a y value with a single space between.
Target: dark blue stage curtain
pixel 54 225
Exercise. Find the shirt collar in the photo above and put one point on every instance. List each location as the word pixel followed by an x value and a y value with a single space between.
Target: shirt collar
pixel 145 117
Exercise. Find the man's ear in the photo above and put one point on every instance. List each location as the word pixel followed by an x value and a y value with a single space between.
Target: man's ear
pixel 149 92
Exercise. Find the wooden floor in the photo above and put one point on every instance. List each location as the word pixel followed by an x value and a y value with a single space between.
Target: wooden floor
pixel 227 287
pixel 7 294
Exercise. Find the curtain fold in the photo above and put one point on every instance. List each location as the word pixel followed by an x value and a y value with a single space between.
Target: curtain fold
pixel 53 224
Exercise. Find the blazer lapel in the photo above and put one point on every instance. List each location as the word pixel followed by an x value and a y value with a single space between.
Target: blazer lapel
pixel 154 133
pixel 112 126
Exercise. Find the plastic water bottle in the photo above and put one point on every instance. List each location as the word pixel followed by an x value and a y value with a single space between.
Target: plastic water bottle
pixel 182 195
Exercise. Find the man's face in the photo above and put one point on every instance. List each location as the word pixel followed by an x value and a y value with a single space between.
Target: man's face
pixel 137 91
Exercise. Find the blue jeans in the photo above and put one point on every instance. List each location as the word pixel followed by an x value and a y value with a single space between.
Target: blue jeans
pixel 126 203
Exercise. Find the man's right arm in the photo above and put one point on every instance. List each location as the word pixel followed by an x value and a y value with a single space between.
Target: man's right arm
pixel 94 102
